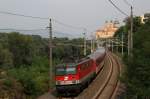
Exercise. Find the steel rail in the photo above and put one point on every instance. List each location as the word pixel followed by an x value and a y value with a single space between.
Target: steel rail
pixel 106 82
pixel 113 61
pixel 118 82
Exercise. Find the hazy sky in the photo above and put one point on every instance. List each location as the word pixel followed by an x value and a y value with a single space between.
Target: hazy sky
pixel 84 13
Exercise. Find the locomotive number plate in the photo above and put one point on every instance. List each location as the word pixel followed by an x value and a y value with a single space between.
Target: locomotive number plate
pixel 66 82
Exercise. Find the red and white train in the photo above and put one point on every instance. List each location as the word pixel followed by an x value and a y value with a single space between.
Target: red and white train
pixel 74 77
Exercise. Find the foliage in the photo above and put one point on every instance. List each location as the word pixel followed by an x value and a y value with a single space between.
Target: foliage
pixel 21 47
pixel 24 61
pixel 10 88
pixel 5 57
pixel 137 74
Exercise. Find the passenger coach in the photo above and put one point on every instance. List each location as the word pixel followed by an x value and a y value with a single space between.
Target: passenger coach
pixel 74 77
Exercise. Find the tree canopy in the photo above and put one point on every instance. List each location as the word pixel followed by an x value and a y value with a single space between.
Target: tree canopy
pixel 24 62
pixel 137 74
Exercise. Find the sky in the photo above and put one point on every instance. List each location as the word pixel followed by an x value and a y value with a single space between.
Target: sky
pixel 90 14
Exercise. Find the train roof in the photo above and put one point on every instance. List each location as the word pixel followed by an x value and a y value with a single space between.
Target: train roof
pixel 99 51
pixel 66 65
pixel 73 64
pixel 83 59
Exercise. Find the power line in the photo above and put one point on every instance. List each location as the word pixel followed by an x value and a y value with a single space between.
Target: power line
pixel 22 15
pixel 127 2
pixel 57 32
pixel 118 8
pixel 18 30
pixel 67 25
pixel 42 18
pixel 22 29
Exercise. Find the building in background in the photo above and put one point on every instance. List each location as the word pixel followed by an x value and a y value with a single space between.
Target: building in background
pixel 108 30
pixel 142 19
pixel 145 17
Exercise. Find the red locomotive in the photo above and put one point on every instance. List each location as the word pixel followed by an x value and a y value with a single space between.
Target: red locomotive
pixel 74 77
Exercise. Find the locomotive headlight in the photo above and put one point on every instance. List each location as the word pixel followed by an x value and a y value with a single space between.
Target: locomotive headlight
pixel 66 78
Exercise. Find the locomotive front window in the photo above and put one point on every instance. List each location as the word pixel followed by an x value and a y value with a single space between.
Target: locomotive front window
pixel 60 71
pixel 65 71
pixel 71 70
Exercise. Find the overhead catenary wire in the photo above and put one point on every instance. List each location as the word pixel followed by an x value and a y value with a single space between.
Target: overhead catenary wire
pixel 22 29
pixel 34 30
pixel 118 8
pixel 67 25
pixel 42 18
pixel 58 32
pixel 127 2
pixel 22 15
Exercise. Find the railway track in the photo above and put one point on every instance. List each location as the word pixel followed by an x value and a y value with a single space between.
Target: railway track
pixel 114 94
pixel 99 92
pixel 109 90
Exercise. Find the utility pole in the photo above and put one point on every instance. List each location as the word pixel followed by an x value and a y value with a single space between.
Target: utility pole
pixel 84 42
pixel 129 43
pixel 106 42
pixel 117 47
pixel 98 44
pixel 122 43
pixel 131 35
pixel 109 43
pixel 112 45
pixel 91 45
pixel 117 44
pixel 50 56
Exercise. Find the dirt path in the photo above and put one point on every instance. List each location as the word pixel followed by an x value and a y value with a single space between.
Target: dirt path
pixel 47 96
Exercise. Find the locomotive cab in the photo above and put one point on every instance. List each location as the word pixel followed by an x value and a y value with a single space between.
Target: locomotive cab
pixel 66 77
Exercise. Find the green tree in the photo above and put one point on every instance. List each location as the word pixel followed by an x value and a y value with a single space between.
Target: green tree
pixel 5 58
pixel 138 70
pixel 21 48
